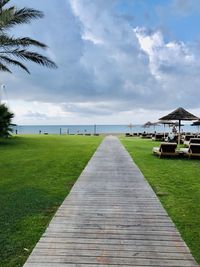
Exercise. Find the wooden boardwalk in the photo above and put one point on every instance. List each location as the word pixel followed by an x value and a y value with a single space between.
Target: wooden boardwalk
pixel 111 218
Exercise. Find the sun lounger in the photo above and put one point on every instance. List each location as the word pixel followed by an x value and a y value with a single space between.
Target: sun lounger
pixel 187 139
pixel 158 137
pixel 195 140
pixel 192 151
pixel 192 141
pixel 166 149
pixel 146 136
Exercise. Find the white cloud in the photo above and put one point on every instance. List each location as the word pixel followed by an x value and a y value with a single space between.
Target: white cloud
pixel 175 65
pixel 161 54
pixel 108 71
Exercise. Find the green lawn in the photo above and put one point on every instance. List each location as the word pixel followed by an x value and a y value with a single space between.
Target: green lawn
pixel 177 184
pixel 36 174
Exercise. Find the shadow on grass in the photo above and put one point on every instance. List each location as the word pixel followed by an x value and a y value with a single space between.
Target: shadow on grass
pixel 11 141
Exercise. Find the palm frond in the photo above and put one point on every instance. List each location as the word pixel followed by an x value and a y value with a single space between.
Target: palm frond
pixel 4 68
pixel 11 48
pixel 14 62
pixel 32 56
pixel 25 15
pixel 5 16
pixel 6 41
pixel 12 16
pixel 3 3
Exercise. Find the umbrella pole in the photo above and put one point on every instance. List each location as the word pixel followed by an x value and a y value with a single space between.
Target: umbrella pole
pixel 179 132
pixel 164 131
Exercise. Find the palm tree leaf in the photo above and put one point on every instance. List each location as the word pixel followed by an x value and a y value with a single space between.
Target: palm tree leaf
pixel 14 62
pixel 3 3
pixel 34 57
pixel 4 68
pixel 5 16
pixel 6 41
pixel 12 16
pixel 11 47
pixel 25 15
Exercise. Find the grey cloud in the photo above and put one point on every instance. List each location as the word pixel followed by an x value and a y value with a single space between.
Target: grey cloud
pixel 84 110
pixel 108 66
pixel 39 115
pixel 86 71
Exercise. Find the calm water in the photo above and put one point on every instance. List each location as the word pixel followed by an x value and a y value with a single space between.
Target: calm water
pixel 82 129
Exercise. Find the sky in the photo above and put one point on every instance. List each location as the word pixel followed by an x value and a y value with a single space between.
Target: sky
pixel 119 62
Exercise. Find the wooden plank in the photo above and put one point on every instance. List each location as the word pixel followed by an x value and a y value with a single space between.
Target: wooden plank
pixel 142 241
pixel 111 247
pixel 130 236
pixel 109 253
pixel 103 259
pixel 120 232
pixel 111 217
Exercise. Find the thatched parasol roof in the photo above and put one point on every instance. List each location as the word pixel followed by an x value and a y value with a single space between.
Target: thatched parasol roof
pixel 148 124
pixel 180 114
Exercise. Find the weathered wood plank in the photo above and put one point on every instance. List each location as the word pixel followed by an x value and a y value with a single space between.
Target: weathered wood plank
pixel 103 259
pixel 130 236
pixel 122 242
pixel 109 253
pixel 111 218
pixel 124 232
pixel 117 247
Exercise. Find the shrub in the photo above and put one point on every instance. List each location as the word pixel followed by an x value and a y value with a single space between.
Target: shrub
pixel 5 121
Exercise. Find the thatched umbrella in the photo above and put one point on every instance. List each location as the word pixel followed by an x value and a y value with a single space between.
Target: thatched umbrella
pixel 179 114
pixel 148 124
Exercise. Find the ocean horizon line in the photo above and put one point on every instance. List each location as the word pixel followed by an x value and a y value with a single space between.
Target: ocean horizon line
pixel 94 128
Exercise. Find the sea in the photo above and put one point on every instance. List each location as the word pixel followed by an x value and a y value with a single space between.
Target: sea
pixel 95 129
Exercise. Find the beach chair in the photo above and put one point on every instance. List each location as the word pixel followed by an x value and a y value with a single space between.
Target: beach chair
pixel 166 149
pixel 146 136
pixel 195 140
pixel 192 141
pixel 158 137
pixel 187 139
pixel 192 151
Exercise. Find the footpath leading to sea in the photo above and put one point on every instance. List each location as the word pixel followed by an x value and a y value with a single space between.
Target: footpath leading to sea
pixel 111 217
